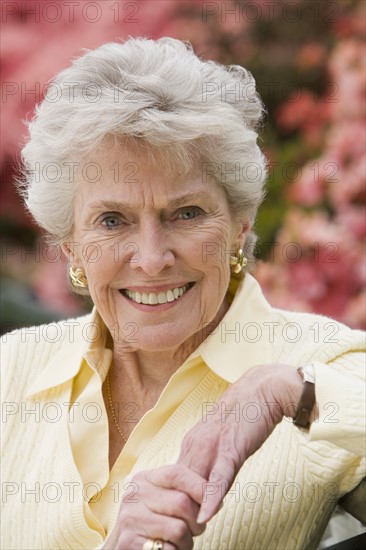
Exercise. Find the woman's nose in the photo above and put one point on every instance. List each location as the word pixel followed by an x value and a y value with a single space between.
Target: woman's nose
pixel 152 253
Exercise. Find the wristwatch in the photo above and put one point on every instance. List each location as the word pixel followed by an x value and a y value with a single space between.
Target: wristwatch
pixel 307 399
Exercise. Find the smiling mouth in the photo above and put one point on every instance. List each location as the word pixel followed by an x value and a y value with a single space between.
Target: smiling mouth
pixel 156 298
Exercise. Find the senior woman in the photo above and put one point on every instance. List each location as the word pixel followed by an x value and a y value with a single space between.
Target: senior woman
pixel 181 413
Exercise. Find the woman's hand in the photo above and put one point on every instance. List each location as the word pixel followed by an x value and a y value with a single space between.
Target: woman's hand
pixel 235 427
pixel 163 505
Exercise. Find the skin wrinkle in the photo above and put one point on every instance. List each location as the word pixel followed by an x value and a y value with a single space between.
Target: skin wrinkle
pixel 179 201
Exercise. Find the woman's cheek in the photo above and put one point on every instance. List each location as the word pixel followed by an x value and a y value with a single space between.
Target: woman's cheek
pixel 108 257
pixel 216 251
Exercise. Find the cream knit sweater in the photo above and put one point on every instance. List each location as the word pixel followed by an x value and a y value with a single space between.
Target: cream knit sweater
pixel 282 497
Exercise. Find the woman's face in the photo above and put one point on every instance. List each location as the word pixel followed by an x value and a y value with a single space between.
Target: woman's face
pixel 155 248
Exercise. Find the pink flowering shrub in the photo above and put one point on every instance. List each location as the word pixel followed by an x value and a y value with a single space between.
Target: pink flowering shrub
pixel 329 274
pixel 316 265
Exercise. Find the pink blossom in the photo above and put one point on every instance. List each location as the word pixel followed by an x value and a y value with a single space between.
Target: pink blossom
pixel 353 217
pixel 310 55
pixel 348 75
pixel 309 189
pixel 306 113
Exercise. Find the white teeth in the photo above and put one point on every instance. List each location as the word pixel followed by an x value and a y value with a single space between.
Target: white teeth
pixel 153 298
pixel 170 296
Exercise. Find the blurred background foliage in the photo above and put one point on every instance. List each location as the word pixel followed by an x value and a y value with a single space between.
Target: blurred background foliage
pixel 307 57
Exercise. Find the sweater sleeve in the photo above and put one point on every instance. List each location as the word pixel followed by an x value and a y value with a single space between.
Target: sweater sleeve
pixel 340 395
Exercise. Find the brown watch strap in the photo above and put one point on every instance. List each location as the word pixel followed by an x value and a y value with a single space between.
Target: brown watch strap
pixel 306 405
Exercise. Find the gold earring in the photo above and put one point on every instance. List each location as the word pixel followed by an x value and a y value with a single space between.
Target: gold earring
pixel 238 262
pixel 78 277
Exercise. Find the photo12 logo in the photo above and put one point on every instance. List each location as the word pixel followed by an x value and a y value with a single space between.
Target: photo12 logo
pixel 71 11
pixel 269 11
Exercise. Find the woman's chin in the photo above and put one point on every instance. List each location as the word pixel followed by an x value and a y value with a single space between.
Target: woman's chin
pixel 159 338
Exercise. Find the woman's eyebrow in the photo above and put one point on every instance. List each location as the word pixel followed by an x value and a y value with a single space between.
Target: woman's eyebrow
pixel 108 205
pixel 190 198
pixel 174 203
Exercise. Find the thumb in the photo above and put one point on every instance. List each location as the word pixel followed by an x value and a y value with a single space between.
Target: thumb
pixel 214 490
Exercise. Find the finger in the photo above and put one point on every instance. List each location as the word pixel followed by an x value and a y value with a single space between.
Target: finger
pixel 151 526
pixel 125 543
pixel 166 502
pixel 179 477
pixel 179 505
pixel 167 545
pixel 220 481
pixel 215 496
pixel 169 529
pixel 169 501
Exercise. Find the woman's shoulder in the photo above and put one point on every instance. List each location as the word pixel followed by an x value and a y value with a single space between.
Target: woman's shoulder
pixel 26 351
pixel 291 335
pixel 47 333
pixel 317 336
pixel 316 323
pixel 293 328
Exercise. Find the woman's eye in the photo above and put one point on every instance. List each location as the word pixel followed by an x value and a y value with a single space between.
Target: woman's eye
pixel 111 221
pixel 189 213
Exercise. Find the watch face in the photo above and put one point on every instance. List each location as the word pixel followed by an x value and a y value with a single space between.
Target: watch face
pixel 308 373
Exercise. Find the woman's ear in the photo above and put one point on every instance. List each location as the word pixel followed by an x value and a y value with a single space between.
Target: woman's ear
pixel 243 230
pixel 67 252
pixel 70 251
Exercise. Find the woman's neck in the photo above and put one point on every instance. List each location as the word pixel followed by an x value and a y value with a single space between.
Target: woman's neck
pixel 142 369
pixel 149 371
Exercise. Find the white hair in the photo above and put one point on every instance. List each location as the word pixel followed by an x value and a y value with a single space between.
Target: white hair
pixel 154 92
